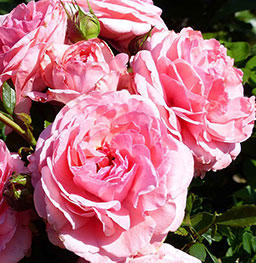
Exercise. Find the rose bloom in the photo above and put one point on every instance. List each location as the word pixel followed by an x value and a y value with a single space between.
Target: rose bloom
pixel 196 79
pixel 108 177
pixel 15 234
pixel 24 35
pixel 71 70
pixel 123 20
pixel 163 253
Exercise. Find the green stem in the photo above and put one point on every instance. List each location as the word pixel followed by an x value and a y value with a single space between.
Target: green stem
pixel 27 136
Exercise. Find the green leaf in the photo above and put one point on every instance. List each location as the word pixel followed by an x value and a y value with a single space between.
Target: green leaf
pixel 252 79
pixel 212 235
pixel 181 231
pixel 197 204
pixel 198 250
pixel 238 216
pixel 9 98
pixel 217 237
pixel 221 35
pixel 244 16
pixel 202 221
pixel 247 73
pixel 251 63
pixel 253 50
pixel 229 252
pixel 238 50
pixel 208 237
pixel 247 242
pixel 210 257
pixel 189 204
pixel 247 194
pixel 253 243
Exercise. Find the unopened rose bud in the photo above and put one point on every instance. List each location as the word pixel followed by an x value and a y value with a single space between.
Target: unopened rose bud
pixel 81 25
pixel 18 192
pixel 137 43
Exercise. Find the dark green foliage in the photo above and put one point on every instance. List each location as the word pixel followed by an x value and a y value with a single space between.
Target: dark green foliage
pixel 8 98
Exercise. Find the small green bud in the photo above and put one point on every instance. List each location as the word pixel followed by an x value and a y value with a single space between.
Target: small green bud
pixel 137 43
pixel 81 25
pixel 18 192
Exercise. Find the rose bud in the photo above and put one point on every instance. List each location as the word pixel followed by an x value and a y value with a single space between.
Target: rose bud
pixel 18 192
pixel 81 25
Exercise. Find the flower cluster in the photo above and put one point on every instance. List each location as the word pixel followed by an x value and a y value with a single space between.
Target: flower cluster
pixel 110 175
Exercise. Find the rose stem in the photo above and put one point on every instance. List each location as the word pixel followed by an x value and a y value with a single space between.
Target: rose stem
pixel 28 137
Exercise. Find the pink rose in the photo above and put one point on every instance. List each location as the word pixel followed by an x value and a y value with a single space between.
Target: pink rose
pixel 15 234
pixel 123 20
pixel 106 174
pixel 196 79
pixel 148 1
pixel 165 253
pixel 73 70
pixel 24 35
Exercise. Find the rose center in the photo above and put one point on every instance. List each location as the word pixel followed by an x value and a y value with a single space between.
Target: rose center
pixel 107 160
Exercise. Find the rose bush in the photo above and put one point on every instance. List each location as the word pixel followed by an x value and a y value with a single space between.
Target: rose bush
pixel 71 70
pixel 122 20
pixel 196 79
pixel 25 33
pixel 15 234
pixel 106 174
